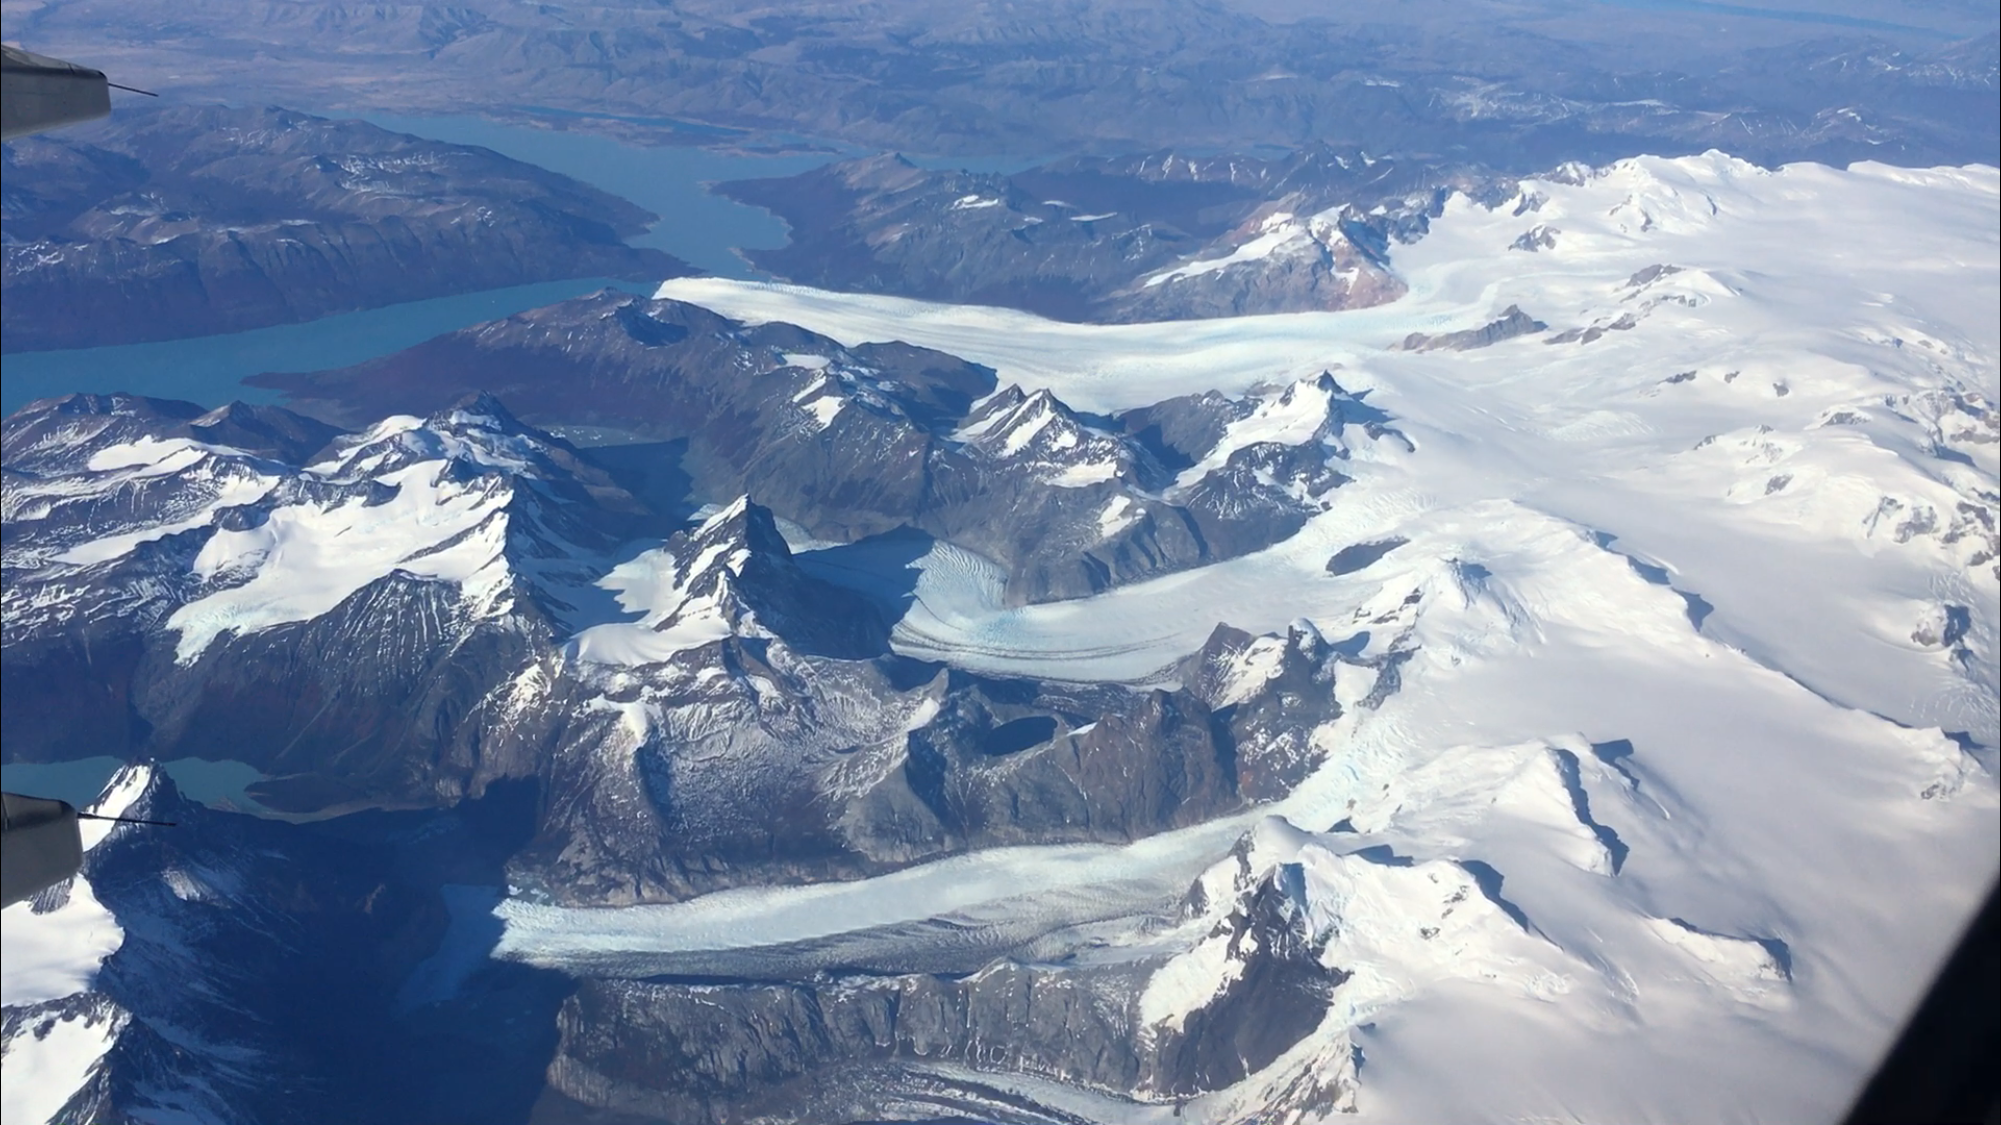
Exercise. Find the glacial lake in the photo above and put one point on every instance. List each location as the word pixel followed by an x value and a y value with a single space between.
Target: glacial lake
pixel 671 181
pixel 210 369
pixel 698 227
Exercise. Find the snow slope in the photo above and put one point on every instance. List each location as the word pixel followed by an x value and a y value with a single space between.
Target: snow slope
pixel 49 959
pixel 1687 658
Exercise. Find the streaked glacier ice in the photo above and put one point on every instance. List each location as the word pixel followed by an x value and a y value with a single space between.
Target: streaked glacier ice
pixel 1675 692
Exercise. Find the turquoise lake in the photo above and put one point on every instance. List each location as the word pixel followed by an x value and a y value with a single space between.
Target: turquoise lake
pixel 671 181
pixel 79 782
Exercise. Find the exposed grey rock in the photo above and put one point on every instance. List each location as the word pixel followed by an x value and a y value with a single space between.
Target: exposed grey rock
pixel 1271 694
pixel 1360 556
pixel 766 764
pixel 1645 277
pixel 857 442
pixel 1111 239
pixel 1538 237
pixel 1512 322
pixel 714 399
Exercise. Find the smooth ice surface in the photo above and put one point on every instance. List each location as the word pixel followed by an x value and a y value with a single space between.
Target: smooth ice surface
pixel 1040 888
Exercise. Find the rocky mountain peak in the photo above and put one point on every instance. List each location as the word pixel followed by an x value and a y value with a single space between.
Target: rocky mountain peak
pixel 475 436
pixel 1234 667
pixel 734 576
pixel 53 432
pixel 886 171
pixel 479 410
pixel 138 790
pixel 741 538
pixel 1254 983
pixel 1037 427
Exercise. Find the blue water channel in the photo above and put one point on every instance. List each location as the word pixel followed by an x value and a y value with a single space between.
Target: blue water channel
pixel 671 181
pixel 79 782
pixel 210 369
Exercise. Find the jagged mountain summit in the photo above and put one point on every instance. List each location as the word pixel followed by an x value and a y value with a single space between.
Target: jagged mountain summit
pixel 850 441
pixel 477 588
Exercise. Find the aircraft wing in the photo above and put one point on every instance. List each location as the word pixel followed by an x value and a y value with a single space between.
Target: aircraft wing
pixel 40 846
pixel 38 92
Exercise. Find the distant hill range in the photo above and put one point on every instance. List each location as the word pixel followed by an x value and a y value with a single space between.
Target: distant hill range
pixel 185 221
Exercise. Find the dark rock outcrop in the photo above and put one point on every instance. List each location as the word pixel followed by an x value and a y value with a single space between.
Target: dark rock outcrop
pixel 1511 323
pixel 1153 237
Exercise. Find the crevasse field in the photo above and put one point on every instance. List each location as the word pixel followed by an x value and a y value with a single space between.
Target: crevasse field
pixel 1711 685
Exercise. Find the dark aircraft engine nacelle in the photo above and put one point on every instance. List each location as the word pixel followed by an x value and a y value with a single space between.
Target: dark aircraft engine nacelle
pixel 40 847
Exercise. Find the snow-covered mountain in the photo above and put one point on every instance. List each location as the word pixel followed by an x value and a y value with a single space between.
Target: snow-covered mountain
pixel 1163 236
pixel 1665 589
pixel 1566 664
pixel 853 441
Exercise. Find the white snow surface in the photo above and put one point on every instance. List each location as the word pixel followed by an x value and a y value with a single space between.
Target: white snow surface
pixel 57 954
pixel 1277 233
pixel 1288 417
pixel 225 477
pixel 1670 722
pixel 673 616
pixel 51 1058
pixel 50 956
pixel 53 956
pixel 307 558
